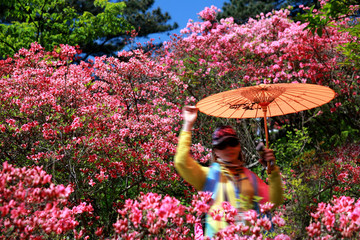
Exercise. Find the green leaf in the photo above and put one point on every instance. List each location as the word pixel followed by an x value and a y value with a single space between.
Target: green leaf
pixel 319 31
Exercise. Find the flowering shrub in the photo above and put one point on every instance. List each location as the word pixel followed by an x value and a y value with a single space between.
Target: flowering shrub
pixel 316 178
pixel 339 219
pixel 262 225
pixel 334 173
pixel 154 216
pixel 271 48
pixel 345 165
pixel 109 128
pixel 213 56
pixel 32 207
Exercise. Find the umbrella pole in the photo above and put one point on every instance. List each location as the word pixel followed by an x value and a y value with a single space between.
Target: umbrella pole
pixel 264 108
pixel 265 125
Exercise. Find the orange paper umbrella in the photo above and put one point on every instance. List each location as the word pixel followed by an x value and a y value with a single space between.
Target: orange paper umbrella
pixel 265 100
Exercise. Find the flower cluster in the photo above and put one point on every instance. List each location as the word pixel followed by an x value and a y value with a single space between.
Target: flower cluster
pixel 258 225
pixel 153 215
pixel 32 207
pixel 344 164
pixel 271 49
pixel 335 220
pixel 91 124
pixel 107 129
pixel 209 14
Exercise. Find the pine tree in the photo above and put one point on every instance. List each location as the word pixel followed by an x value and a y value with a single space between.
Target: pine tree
pixel 242 10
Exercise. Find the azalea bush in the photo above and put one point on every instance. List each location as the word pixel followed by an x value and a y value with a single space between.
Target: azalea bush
pixel 330 173
pixel 213 56
pixel 317 178
pixel 339 219
pixel 32 207
pixel 162 217
pixel 105 131
pixel 109 127
pixel 266 224
pixel 269 49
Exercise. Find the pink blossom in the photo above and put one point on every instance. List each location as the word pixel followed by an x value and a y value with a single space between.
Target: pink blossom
pixel 30 207
pixel 282 237
pixel 278 221
pixel 209 14
pixel 251 216
pixel 341 216
pixel 91 182
pixel 217 215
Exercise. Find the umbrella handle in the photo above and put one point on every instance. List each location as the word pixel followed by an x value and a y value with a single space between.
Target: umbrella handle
pixel 264 108
pixel 260 149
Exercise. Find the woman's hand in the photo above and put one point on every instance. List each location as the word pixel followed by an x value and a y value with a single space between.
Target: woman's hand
pixel 189 115
pixel 268 159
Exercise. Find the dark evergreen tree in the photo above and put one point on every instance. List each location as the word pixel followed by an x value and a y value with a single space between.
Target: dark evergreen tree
pixel 242 10
pixel 138 13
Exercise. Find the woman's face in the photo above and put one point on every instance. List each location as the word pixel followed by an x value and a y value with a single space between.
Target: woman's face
pixel 228 153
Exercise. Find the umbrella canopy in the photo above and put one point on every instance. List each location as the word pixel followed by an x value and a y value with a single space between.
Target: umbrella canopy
pixel 266 100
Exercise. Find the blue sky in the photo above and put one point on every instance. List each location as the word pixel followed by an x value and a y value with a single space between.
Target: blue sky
pixel 181 11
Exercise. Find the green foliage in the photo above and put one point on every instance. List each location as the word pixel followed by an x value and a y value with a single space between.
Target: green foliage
pixel 335 10
pixel 291 146
pixel 52 23
pixel 352 49
pixel 242 10
pixel 335 129
pixel 316 176
pixel 298 201
pixel 343 136
pixel 332 10
pixel 99 27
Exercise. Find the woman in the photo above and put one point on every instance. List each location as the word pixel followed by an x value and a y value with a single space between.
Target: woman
pixel 226 178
